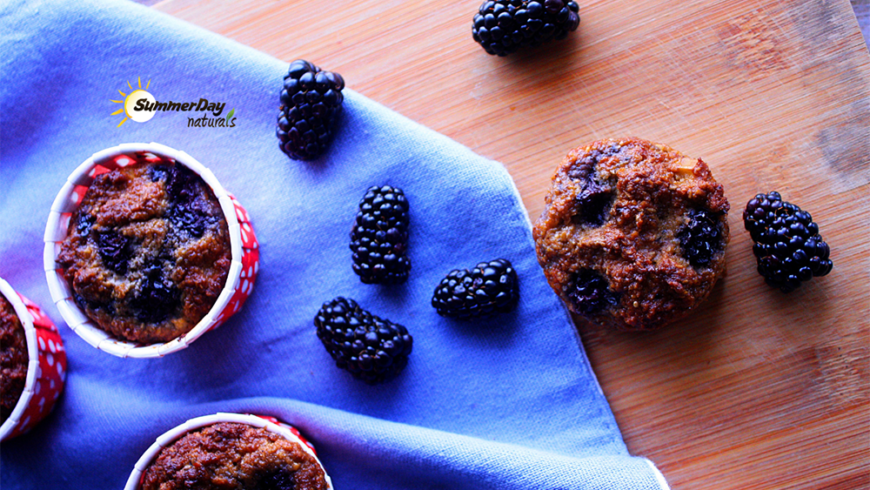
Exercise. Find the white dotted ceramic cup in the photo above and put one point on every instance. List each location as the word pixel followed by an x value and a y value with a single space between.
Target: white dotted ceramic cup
pixel 46 367
pixel 243 243
pixel 167 438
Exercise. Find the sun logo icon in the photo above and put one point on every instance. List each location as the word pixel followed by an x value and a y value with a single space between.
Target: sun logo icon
pixel 130 102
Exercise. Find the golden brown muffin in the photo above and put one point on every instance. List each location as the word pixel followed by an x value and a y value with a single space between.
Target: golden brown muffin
pixel 147 251
pixel 13 359
pixel 633 234
pixel 233 456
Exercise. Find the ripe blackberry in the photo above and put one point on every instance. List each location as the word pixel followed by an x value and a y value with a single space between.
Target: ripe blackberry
pixel 310 103
pixel 788 247
pixel 503 26
pixel 488 288
pixel 379 238
pixel 370 348
pixel 701 237
pixel 590 294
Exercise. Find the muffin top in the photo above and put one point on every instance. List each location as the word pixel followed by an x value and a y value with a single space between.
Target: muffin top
pixel 233 456
pixel 13 359
pixel 633 234
pixel 147 251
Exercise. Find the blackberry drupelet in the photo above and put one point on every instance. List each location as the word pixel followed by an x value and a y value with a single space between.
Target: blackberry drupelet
pixel 788 247
pixel 701 238
pixel 370 348
pixel 310 103
pixel 488 288
pixel 379 239
pixel 503 26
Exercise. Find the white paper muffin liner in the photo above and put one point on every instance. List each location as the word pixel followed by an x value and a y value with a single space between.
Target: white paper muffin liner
pixel 167 438
pixel 243 243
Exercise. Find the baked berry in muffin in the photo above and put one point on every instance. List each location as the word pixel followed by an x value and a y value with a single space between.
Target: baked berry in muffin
pixel 147 251
pixel 633 234
pixel 13 359
pixel 234 456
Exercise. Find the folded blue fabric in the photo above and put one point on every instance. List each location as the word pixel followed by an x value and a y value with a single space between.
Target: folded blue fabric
pixel 508 402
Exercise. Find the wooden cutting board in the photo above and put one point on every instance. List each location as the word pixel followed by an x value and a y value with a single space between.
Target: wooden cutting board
pixel 758 389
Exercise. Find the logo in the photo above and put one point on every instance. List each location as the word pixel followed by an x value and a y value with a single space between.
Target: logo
pixel 140 106
pixel 132 100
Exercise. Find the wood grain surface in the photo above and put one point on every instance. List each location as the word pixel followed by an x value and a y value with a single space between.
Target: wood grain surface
pixel 758 390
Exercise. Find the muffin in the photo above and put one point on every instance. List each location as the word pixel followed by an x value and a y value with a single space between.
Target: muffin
pixel 147 251
pixel 13 359
pixel 235 456
pixel 32 363
pixel 633 234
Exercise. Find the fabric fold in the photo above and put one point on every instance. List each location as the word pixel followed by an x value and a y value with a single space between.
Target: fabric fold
pixel 505 402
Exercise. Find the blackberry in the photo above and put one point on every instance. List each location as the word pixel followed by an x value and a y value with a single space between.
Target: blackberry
pixel 379 238
pixel 310 103
pixel 278 479
pixel 370 348
pixel 188 217
pixel 503 26
pixel 188 211
pixel 788 247
pixel 595 198
pixel 160 172
pixel 488 288
pixel 157 297
pixel 115 250
pixel 701 237
pixel 84 223
pixel 107 306
pixel 179 181
pixel 590 294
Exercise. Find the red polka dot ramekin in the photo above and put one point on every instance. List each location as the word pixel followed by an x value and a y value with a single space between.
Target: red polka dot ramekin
pixel 167 438
pixel 46 369
pixel 243 242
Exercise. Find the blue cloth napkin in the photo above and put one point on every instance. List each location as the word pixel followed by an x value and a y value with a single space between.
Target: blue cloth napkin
pixel 508 402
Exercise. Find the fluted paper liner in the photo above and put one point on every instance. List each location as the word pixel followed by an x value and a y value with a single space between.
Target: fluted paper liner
pixel 46 368
pixel 167 438
pixel 243 243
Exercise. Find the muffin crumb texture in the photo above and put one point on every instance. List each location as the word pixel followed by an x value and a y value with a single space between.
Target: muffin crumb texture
pixel 233 456
pixel 147 252
pixel 13 359
pixel 633 235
